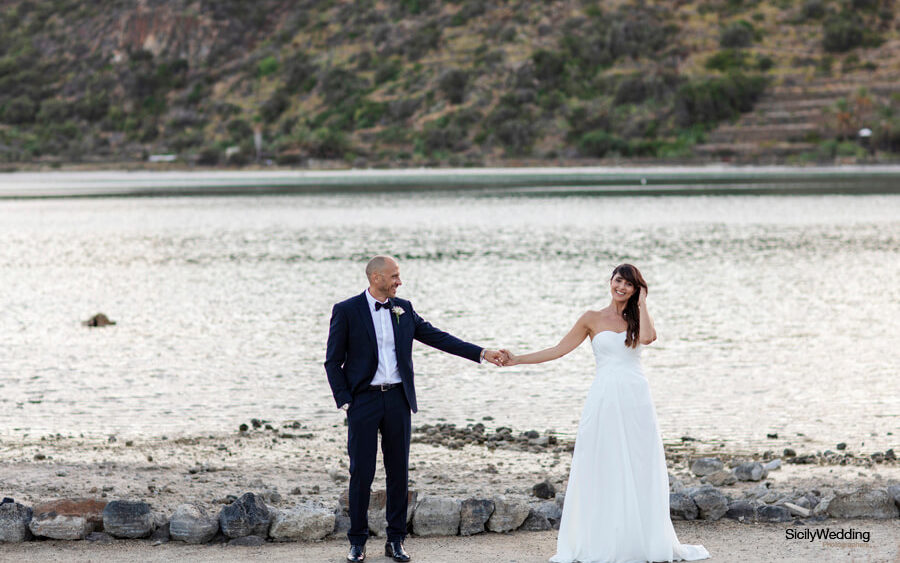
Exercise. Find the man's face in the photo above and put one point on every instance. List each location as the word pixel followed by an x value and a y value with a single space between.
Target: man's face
pixel 388 279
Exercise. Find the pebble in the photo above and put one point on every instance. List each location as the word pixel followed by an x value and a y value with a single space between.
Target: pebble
pixel 750 471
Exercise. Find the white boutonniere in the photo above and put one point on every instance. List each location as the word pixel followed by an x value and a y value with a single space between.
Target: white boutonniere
pixel 397 312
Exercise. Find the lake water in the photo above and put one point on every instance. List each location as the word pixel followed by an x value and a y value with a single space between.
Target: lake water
pixel 774 313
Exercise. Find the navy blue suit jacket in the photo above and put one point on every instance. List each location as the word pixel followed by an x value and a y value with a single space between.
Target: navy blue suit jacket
pixel 351 356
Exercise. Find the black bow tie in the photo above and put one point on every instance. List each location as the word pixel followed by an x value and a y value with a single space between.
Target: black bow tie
pixel 379 306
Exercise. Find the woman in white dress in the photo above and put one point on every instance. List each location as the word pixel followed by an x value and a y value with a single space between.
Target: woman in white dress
pixel 617 498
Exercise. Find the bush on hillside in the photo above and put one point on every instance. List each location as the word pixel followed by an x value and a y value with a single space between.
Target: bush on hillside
pixel 736 35
pixel 707 101
pixel 453 83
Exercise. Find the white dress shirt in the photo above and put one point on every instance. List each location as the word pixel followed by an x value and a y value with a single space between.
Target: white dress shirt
pixel 387 371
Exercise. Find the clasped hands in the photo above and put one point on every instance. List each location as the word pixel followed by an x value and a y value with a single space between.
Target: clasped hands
pixel 500 357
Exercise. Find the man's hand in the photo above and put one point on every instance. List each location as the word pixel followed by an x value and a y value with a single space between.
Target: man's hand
pixel 494 356
pixel 509 359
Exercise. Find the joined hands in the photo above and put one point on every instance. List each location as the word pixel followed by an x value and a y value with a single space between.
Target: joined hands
pixel 502 357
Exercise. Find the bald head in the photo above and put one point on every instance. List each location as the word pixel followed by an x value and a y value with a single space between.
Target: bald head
pixel 378 264
pixel 384 277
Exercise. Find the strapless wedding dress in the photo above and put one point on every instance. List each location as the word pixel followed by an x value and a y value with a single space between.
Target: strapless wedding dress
pixel 617 499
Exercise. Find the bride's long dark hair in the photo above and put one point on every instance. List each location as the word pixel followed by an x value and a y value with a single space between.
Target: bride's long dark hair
pixel 631 314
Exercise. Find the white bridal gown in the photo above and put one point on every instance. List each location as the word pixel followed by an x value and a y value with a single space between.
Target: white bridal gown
pixel 617 499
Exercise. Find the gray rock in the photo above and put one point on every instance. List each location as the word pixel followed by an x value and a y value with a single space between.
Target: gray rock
pixel 536 522
pixel 682 507
pixel 247 541
pixel 127 519
pixel 99 537
pixel 551 511
pixel 508 514
pixel 711 502
pixel 436 516
pixel 473 514
pixel 341 525
pixel 797 510
pixel 306 522
pixel 560 500
pixel 706 466
pixel 863 503
pixel 894 492
pixel 720 478
pixel 14 519
pixel 742 511
pixel 750 471
pixel 247 516
pixel 773 465
pixel 771 513
pixel 377 514
pixel 544 489
pixel 821 509
pixel 193 524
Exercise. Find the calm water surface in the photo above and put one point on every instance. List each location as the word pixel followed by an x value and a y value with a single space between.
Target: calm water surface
pixel 774 313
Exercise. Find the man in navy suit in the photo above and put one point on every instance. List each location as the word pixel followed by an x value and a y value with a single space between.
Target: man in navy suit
pixel 370 370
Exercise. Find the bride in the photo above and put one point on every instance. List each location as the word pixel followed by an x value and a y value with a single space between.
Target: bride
pixel 617 498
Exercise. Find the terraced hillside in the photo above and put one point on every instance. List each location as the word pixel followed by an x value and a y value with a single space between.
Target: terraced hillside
pixel 455 83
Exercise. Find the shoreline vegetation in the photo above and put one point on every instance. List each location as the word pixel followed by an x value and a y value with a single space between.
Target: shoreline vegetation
pixel 464 480
pixel 609 180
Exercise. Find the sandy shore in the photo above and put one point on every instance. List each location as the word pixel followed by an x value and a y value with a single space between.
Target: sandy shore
pixel 726 541
pixel 289 463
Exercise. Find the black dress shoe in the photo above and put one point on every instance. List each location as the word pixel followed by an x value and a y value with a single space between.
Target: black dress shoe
pixel 395 549
pixel 357 553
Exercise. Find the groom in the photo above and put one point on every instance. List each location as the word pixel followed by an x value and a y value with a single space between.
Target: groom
pixel 370 370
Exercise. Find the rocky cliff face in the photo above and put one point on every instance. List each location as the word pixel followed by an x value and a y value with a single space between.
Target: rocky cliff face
pixel 421 82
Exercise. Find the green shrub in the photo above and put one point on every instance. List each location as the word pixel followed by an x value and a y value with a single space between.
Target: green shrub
pixel 54 110
pixel 19 110
pixel 327 143
pixel 843 32
pixel 239 130
pixel 338 84
pixel 368 113
pixel 599 143
pixel 813 10
pixel 300 73
pixel 728 60
pixel 736 35
pixel 267 67
pixel 453 84
pixel 272 108
pixel 549 67
pixel 93 106
pixel 387 70
pixel 707 101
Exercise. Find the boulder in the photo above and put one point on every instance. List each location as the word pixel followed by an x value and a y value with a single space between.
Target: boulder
pixel 741 510
pixel 307 522
pixel 127 519
pixel 377 514
pixel 247 516
pixel 193 524
pixel 682 507
pixel 772 513
pixel 14 519
pixel 773 465
pixel 551 511
pixel 473 514
pixel 720 478
pixel 711 502
pixel 894 492
pixel 544 490
pixel 536 522
pixel 436 516
pixel 862 503
pixel 750 471
pixel 508 515
pixel 67 519
pixel 706 466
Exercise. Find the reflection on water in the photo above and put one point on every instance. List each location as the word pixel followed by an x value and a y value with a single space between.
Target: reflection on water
pixel 775 314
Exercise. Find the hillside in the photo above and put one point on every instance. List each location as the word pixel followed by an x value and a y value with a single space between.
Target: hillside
pixel 427 83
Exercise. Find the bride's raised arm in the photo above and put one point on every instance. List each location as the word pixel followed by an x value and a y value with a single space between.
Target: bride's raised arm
pixel 568 343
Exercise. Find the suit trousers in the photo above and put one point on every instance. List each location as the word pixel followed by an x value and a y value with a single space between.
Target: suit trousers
pixel 372 412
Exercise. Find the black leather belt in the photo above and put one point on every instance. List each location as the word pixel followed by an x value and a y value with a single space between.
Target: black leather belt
pixel 383 387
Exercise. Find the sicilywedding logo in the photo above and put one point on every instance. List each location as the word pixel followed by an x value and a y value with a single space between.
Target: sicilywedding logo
pixel 820 534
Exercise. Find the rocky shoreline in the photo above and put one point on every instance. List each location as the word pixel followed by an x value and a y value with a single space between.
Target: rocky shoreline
pixel 464 481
